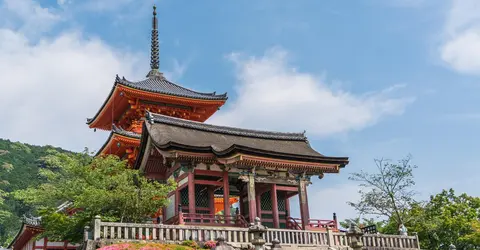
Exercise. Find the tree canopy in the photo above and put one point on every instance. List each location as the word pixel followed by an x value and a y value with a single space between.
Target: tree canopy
pixel 19 167
pixel 99 186
pixel 447 219
pixel 387 193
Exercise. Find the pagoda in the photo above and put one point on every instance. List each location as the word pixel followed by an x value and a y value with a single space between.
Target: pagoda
pixel 225 176
pixel 125 106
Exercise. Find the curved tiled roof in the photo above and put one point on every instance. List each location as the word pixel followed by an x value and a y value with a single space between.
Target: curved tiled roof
pixel 118 131
pixel 170 133
pixel 159 84
pixel 121 131
pixel 158 118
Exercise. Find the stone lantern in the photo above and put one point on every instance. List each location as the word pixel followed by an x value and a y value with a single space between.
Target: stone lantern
pixel 257 229
pixel 221 245
pixel 355 235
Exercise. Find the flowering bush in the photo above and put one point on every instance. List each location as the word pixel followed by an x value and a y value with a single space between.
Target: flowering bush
pixel 190 243
pixel 210 244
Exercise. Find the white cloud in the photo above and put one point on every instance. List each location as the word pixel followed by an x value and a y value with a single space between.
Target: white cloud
pixel 273 95
pixel 50 85
pixel 33 17
pixel 179 68
pixel 461 46
pixel 106 5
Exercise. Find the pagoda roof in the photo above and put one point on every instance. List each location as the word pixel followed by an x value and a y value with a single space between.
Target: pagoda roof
pixel 154 88
pixel 169 133
pixel 159 84
pixel 118 131
pixel 123 132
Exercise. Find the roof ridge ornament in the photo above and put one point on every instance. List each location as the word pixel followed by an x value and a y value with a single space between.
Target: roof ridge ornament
pixel 149 117
pixel 155 49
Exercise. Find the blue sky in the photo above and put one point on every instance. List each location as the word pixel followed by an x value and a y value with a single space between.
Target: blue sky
pixel 366 79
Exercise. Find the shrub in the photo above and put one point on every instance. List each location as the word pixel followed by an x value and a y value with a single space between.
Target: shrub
pixel 190 243
pixel 210 244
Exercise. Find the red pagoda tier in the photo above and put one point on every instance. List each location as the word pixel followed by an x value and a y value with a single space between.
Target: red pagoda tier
pixel 127 102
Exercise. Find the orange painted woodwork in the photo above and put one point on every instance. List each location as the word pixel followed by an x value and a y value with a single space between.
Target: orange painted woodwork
pixel 126 105
pixel 122 146
pixel 219 203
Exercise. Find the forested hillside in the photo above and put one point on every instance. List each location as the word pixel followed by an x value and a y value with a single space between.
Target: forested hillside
pixel 19 168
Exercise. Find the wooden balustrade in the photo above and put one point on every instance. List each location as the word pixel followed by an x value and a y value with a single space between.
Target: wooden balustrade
pixel 239 235
pixel 390 241
pixel 214 220
pixel 297 237
pixel 159 232
pixel 313 224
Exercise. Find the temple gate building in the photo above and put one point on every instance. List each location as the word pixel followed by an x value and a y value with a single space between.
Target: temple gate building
pixel 158 127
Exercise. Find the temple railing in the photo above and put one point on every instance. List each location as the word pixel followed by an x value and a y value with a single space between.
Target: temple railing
pixel 213 220
pixel 240 235
pixel 313 224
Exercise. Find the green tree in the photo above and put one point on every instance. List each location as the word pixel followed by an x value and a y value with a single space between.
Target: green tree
pixel 5 213
pixel 363 222
pixel 19 169
pixel 99 186
pixel 388 192
pixel 447 219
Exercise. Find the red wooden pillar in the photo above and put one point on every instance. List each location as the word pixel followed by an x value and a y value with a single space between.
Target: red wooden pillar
pixel 258 198
pixel 287 209
pixel 191 192
pixel 252 210
pixel 274 199
pixel 211 199
pixel 287 206
pixel 226 196
pixel 177 200
pixel 302 197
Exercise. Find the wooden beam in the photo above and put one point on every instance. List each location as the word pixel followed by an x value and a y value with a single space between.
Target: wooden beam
pixel 273 192
pixel 226 196
pixel 259 206
pixel 276 180
pixel 302 198
pixel 211 199
pixel 210 183
pixel 191 192
pixel 252 210
pixel 285 188
pixel 208 172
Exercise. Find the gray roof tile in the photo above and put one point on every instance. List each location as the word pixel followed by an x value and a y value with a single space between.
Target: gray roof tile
pixel 159 84
pixel 158 118
pixel 121 131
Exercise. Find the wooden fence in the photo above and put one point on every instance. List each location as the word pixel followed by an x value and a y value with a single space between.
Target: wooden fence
pixel 237 235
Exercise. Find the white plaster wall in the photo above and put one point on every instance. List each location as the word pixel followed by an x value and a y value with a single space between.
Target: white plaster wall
pixel 170 210
pixel 29 245
pixel 183 181
pixel 39 242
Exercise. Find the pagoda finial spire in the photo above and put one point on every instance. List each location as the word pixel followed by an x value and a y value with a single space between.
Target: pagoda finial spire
pixel 154 53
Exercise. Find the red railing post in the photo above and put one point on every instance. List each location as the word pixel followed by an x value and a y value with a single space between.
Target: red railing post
pixel 180 215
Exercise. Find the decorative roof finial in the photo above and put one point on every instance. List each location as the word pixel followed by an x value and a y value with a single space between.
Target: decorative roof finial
pixel 154 53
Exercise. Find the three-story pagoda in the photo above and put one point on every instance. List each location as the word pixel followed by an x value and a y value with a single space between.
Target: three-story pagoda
pixel 125 106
